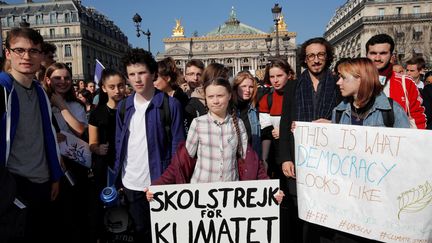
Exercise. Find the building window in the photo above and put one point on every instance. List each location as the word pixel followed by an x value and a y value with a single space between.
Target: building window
pixel 66 31
pixel 9 21
pixel 416 10
pixel 52 33
pixel 398 10
pixel 53 18
pixel 417 33
pixel 68 50
pixel 74 17
pixel 39 19
pixel 67 18
pixel 381 12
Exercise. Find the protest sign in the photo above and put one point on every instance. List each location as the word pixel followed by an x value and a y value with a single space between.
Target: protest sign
pixel 240 211
pixel 368 181
pixel 75 149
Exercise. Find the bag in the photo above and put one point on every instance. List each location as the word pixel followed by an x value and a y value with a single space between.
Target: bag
pixel 411 120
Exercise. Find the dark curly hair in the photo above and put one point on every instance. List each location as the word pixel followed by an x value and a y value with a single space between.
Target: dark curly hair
pixel 139 55
pixel 317 40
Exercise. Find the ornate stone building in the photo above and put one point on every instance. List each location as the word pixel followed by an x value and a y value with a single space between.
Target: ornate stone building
pixel 407 21
pixel 234 44
pixel 81 34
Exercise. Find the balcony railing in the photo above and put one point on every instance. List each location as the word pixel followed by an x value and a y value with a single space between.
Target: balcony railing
pixel 398 17
pixel 61 36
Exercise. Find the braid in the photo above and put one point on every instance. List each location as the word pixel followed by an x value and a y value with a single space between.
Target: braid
pixel 237 130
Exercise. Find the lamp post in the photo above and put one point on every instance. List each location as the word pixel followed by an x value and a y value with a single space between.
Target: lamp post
pixel 137 21
pixel 276 11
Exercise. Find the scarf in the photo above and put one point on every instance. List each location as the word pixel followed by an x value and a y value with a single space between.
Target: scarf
pixel 326 97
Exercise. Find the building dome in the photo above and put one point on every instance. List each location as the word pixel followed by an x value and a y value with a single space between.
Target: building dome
pixel 233 27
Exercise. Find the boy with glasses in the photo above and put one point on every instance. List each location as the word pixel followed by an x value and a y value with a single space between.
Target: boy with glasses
pixel 28 147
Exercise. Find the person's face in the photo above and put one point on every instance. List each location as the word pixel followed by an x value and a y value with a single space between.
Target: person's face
pixel 60 81
pixel 193 76
pixel 82 98
pixel 316 58
pixel 217 98
pixel 162 83
pixel 380 55
pixel 26 57
pixel 91 87
pixel 278 78
pixel 348 84
pixel 412 71
pixel 428 80
pixel 140 78
pixel 398 69
pixel 115 87
pixel 245 89
pixel 81 85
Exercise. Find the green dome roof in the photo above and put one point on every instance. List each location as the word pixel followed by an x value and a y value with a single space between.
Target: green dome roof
pixel 233 27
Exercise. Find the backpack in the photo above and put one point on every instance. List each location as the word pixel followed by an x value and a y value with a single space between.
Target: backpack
pixel 165 116
pixel 387 115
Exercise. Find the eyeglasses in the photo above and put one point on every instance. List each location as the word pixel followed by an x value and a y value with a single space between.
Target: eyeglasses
pixel 320 55
pixel 21 51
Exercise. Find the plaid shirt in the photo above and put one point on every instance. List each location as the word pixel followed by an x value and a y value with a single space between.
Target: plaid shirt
pixel 215 144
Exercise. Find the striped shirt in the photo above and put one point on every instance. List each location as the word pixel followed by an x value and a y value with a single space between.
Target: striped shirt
pixel 215 145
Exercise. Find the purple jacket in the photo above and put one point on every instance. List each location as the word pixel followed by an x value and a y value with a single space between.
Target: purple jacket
pixel 182 166
pixel 158 155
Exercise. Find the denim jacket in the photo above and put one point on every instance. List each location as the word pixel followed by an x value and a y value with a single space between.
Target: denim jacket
pixel 255 129
pixel 374 118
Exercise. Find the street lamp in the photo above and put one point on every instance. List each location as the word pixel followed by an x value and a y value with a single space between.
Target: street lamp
pixel 137 21
pixel 276 11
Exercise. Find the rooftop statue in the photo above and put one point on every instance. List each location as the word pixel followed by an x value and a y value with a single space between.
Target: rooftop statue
pixel 178 30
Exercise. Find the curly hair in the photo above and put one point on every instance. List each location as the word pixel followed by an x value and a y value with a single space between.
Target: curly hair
pixel 139 55
pixel 279 63
pixel 168 68
pixel 317 40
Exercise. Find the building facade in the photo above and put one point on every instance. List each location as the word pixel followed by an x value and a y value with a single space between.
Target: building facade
pixel 236 45
pixel 81 34
pixel 407 21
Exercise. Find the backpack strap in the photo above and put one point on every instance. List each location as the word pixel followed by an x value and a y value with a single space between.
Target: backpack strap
pixel 270 100
pixel 165 116
pixel 388 115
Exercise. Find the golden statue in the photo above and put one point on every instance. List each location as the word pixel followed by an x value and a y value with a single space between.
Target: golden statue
pixel 282 26
pixel 178 30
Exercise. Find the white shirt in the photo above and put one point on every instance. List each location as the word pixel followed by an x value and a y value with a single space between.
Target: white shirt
pixel 136 172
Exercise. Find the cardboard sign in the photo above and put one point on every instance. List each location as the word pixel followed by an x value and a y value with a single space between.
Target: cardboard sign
pixel 367 181
pixel 75 149
pixel 241 211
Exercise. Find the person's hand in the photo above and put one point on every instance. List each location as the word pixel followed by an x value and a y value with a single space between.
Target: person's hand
pixel 185 87
pixel 149 194
pixel 279 196
pixel 275 133
pixel 58 101
pixel 288 169
pixel 293 126
pixel 322 120
pixel 102 149
pixel 55 189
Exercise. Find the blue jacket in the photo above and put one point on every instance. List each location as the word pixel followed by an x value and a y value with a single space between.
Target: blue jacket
pixel 159 156
pixel 255 125
pixel 374 118
pixel 9 123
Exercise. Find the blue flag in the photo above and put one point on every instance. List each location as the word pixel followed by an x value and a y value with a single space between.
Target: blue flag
pixel 98 72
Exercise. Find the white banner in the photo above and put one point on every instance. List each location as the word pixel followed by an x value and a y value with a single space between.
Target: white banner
pixel 368 181
pixel 240 211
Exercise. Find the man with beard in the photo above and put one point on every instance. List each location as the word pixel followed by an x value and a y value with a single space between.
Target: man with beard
pixel 379 49
pixel 311 97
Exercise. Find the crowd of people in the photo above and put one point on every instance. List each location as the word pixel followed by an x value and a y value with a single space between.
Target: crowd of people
pixel 171 120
